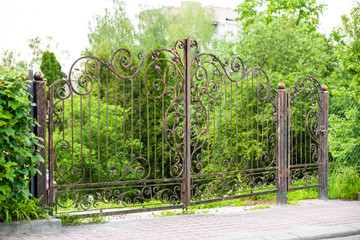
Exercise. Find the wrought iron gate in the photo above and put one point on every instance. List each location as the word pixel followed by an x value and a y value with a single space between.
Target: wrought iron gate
pixel 308 124
pixel 176 128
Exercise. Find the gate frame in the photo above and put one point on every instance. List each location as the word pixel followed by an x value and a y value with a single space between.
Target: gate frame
pixel 40 189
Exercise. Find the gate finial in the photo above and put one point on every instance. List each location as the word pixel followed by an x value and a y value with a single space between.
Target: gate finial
pixel 39 76
pixel 281 85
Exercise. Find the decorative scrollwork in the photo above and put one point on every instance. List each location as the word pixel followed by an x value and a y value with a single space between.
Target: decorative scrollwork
pixel 304 176
pixel 138 167
pixel 227 186
pixel 123 198
pixel 71 175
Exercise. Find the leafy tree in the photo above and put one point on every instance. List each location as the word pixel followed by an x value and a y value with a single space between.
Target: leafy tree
pixel 344 94
pixel 11 58
pixel 153 28
pixel 192 21
pixel 111 30
pixel 38 46
pixel 301 10
pixel 34 45
pixel 281 39
pixel 351 51
pixel 283 47
pixel 50 67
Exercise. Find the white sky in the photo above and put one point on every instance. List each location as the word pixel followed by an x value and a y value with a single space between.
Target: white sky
pixel 67 20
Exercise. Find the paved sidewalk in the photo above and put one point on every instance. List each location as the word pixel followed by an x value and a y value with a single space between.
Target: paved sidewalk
pixel 311 220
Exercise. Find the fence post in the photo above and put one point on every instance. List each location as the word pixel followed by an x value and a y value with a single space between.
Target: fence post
pixel 323 127
pixel 32 113
pixel 187 127
pixel 282 146
pixel 40 115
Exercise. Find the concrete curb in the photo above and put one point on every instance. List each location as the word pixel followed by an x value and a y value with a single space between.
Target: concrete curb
pixel 35 226
pixel 326 232
pixel 316 233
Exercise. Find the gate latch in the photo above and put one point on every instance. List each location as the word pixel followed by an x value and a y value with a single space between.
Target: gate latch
pixel 321 129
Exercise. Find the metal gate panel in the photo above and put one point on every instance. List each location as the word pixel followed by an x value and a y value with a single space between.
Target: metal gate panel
pixel 233 129
pixel 305 133
pixel 116 132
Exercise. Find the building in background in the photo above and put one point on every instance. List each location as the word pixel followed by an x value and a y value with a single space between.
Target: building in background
pixel 222 18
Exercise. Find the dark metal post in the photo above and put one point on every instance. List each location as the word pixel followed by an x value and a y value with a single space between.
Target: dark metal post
pixel 187 96
pixel 51 148
pixel 33 130
pixel 282 145
pixel 323 124
pixel 40 99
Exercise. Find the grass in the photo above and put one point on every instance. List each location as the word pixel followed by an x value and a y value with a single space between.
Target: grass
pixel 68 219
pixel 27 209
pixel 182 212
pixel 259 207
pixel 294 196
pixel 248 201
pixel 344 183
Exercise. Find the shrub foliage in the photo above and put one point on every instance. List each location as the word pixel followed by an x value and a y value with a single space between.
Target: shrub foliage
pixel 18 159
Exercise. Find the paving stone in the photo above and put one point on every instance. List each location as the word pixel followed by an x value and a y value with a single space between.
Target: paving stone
pixel 312 220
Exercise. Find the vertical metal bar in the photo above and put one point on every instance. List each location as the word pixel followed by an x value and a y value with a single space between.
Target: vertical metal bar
pixel 123 127
pixel 140 113
pixel 236 115
pixel 208 140
pixel 252 120
pixel 214 136
pixel 162 137
pixel 301 125
pixel 89 105
pixel 116 127
pixel 290 149
pixel 187 96
pixel 40 93
pixel 132 121
pixel 241 120
pixel 257 135
pixel 247 121
pixel 231 115
pixel 81 128
pixel 72 130
pixel 305 123
pixel 33 180
pixel 107 124
pixel 155 162
pixel 225 117
pixel 98 122
pixel 281 151
pixel 324 124
pixel 295 160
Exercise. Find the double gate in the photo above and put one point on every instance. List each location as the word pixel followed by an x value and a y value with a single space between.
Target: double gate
pixel 176 128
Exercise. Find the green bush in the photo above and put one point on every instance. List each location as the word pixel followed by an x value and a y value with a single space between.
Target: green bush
pixel 344 182
pixel 18 160
pixel 25 209
pixel 50 67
